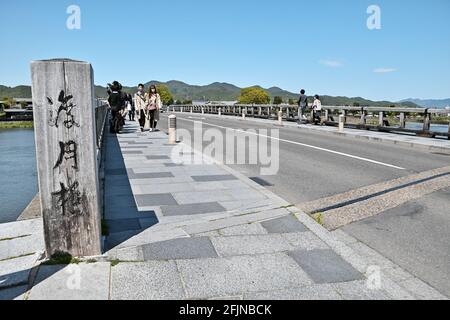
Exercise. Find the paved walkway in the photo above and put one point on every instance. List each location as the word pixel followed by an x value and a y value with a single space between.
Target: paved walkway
pixel 199 231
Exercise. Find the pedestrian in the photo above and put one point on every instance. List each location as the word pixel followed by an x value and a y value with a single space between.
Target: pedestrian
pixel 116 102
pixel 130 107
pixel 302 104
pixel 317 110
pixel 153 105
pixel 139 103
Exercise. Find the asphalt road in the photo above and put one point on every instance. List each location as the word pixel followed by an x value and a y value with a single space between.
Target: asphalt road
pixel 314 165
pixel 415 235
pixel 307 173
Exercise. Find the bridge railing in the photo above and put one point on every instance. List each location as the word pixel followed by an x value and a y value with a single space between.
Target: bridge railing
pixel 366 117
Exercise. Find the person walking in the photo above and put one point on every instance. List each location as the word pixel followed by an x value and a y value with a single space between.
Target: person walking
pixel 302 104
pixel 140 106
pixel 130 107
pixel 153 105
pixel 317 110
pixel 116 102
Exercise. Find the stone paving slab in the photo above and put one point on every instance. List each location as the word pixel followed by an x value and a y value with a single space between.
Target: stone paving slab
pixel 192 209
pixel 150 175
pixel 21 246
pixel 207 178
pixel 147 236
pixel 163 188
pixel 243 230
pixel 60 282
pixel 325 266
pixel 247 245
pixel 161 199
pixel 204 278
pixel 284 225
pixel 316 292
pixel 305 241
pixel 127 213
pixel 234 221
pixel 156 280
pixel 15 272
pixel 183 248
pixel 20 228
pixel 196 197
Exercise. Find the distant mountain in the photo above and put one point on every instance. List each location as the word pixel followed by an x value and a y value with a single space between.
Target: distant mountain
pixel 16 92
pixel 217 91
pixel 430 103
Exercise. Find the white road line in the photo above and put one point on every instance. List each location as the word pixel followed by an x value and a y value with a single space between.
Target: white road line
pixel 304 145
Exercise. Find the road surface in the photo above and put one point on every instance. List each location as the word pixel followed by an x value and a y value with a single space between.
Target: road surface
pixel 316 165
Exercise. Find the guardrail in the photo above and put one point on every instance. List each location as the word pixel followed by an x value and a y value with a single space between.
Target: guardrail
pixel 369 118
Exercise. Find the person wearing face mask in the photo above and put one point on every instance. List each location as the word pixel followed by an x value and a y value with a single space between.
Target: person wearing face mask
pixel 139 102
pixel 153 105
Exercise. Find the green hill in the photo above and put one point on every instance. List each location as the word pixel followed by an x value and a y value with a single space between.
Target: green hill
pixel 217 92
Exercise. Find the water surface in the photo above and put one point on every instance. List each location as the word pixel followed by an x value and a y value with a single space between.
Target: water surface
pixel 18 174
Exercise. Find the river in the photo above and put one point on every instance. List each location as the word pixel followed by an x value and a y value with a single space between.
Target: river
pixel 18 174
pixel 434 127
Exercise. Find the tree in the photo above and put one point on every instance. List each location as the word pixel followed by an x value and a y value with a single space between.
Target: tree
pixel 9 102
pixel 254 95
pixel 291 102
pixel 164 93
pixel 277 100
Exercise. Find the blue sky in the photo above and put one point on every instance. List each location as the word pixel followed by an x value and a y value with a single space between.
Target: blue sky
pixel 323 46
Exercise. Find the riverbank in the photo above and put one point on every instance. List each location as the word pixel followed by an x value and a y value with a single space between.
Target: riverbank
pixel 16 124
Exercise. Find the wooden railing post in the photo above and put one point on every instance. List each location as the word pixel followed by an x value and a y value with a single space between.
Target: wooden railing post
pixel 65 131
pixel 448 137
pixel 426 121
pixel 402 120
pixel 381 119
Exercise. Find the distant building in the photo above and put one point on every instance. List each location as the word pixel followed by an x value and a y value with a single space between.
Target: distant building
pixel 225 103
pixel 199 102
pixel 23 103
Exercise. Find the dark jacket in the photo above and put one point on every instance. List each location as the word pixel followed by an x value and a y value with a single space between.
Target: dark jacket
pixel 116 100
pixel 303 101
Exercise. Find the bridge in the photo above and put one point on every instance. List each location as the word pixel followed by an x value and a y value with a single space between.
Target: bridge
pixel 163 220
pixel 365 117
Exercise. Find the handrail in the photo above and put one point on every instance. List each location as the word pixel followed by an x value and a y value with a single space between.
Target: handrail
pixel 363 113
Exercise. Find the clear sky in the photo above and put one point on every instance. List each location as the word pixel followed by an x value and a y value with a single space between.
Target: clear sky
pixel 323 46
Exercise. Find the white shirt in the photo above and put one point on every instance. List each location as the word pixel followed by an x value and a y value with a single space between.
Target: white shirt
pixel 317 104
